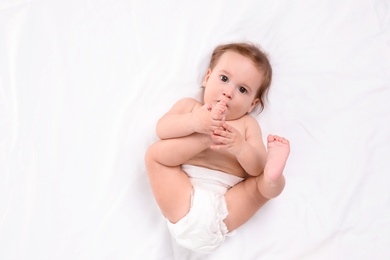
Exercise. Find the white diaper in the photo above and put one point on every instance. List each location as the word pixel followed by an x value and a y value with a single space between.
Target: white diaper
pixel 203 229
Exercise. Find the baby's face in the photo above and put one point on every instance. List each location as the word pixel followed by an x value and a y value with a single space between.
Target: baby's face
pixel 236 80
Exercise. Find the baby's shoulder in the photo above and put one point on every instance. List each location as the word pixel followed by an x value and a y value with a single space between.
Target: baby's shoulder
pixel 249 118
pixel 250 122
pixel 245 124
pixel 187 104
pixel 189 100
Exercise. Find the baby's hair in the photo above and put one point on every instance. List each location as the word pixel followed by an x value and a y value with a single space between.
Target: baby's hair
pixel 258 57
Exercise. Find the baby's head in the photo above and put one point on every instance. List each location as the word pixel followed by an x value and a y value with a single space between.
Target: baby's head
pixel 259 58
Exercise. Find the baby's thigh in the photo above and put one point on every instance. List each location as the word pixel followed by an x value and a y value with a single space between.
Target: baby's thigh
pixel 172 189
pixel 243 201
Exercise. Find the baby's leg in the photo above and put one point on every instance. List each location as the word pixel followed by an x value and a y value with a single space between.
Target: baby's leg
pixel 219 110
pixel 244 199
pixel 271 182
pixel 176 151
pixel 170 185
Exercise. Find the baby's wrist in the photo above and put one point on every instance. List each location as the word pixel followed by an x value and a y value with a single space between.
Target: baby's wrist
pixel 241 150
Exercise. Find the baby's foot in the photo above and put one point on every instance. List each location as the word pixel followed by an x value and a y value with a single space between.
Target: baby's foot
pixel 219 110
pixel 278 151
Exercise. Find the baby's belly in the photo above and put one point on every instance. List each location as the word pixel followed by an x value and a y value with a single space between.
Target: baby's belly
pixel 220 161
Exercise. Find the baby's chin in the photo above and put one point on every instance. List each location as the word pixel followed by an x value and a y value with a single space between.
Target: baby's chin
pixel 230 117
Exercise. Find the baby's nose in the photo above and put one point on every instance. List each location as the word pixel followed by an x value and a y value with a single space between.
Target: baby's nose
pixel 227 92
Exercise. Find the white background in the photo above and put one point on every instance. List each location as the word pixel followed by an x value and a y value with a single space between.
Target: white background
pixel 82 84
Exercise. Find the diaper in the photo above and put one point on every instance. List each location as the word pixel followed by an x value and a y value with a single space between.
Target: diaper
pixel 202 229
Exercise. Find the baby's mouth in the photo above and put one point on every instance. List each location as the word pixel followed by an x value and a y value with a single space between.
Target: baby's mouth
pixel 224 101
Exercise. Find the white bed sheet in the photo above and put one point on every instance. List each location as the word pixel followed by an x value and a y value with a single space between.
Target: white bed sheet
pixel 82 84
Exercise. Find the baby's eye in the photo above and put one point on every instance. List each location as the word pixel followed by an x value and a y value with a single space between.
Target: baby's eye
pixel 242 90
pixel 224 78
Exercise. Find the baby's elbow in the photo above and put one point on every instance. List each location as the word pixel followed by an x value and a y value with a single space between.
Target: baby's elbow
pixel 160 134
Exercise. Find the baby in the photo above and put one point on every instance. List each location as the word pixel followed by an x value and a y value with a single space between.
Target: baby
pixel 211 172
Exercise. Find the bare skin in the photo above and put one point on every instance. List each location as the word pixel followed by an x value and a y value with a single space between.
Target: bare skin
pixel 258 190
pixel 220 135
pixel 272 182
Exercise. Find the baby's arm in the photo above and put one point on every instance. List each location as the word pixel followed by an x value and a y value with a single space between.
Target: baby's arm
pixel 186 117
pixel 175 149
pixel 249 149
pixel 253 154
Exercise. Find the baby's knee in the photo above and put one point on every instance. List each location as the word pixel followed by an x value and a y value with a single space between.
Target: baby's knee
pixel 150 155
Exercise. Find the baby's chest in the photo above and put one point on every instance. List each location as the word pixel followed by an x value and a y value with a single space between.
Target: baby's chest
pixel 238 126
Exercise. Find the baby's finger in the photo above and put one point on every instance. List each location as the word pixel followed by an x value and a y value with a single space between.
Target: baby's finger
pixel 221 131
pixel 219 139
pixel 227 127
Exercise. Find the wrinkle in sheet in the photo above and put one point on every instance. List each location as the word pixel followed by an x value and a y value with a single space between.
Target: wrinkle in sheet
pixel 382 9
pixel 10 38
pixel 99 229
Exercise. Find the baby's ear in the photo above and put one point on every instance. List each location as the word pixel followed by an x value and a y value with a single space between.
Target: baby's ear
pixel 255 102
pixel 206 77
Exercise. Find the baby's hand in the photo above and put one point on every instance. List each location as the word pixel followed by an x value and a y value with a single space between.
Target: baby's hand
pixel 207 119
pixel 227 138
